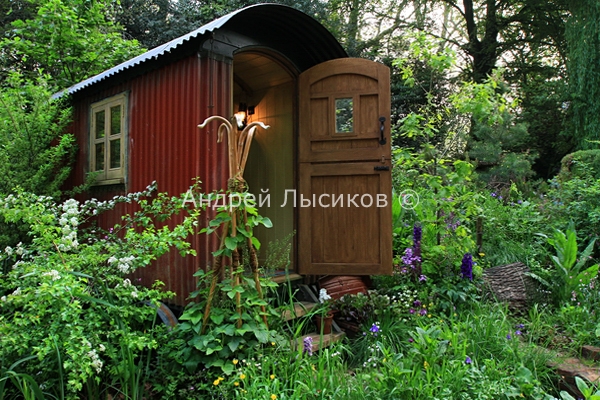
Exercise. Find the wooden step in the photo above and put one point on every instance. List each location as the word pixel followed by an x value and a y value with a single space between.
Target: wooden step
pixel 283 278
pixel 300 309
pixel 568 368
pixel 319 342
pixel 591 352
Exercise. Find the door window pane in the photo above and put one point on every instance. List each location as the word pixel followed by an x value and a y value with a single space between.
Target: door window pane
pixel 115 120
pixel 100 124
pixel 344 115
pixel 99 157
pixel 115 153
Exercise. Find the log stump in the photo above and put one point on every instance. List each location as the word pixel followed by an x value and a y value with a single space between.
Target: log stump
pixel 510 283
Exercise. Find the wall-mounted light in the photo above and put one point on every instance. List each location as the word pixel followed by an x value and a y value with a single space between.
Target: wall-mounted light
pixel 241 117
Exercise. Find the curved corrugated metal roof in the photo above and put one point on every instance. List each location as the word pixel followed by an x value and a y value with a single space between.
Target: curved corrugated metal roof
pixel 287 30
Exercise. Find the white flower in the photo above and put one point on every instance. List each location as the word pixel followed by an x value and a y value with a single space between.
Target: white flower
pixel 3 298
pixel 53 273
pixel 112 260
pixel 124 268
pixel 101 347
pixel 126 282
pixel 134 294
pixel 323 296
pixel 8 250
pixel 17 292
pixel 96 362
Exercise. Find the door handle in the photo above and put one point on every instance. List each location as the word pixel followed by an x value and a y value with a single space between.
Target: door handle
pixel 382 140
pixel 381 168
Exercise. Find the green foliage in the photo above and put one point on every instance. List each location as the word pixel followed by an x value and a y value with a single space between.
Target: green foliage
pixel 580 164
pixel 65 299
pixel 570 274
pixel 584 55
pixel 234 325
pixel 35 152
pixel 476 354
pixel 576 200
pixel 70 40
pixel 445 205
pixel 510 228
pixel 588 392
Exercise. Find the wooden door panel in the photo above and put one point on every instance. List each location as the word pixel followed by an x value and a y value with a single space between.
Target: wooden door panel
pixel 344 217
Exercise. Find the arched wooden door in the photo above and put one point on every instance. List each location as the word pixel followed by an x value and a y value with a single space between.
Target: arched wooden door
pixel 344 154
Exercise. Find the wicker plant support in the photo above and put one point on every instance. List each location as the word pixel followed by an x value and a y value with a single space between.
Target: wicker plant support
pixel 238 144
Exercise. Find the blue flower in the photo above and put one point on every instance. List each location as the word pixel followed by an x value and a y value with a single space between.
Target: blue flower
pixel 468 360
pixel 508 336
pixel 374 328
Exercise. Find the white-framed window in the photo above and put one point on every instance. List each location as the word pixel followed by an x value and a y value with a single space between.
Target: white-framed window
pixel 108 136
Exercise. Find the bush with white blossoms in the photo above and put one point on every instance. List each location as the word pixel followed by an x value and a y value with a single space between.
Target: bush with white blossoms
pixel 65 297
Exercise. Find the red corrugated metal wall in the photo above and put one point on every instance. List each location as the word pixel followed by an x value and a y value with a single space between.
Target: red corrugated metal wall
pixel 165 107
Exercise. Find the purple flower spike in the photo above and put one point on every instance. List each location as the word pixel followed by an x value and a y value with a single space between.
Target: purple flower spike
pixel 466 268
pixel 423 312
pixel 308 341
pixel 417 234
pixel 422 278
pixel 518 332
pixel 508 336
pixel 468 360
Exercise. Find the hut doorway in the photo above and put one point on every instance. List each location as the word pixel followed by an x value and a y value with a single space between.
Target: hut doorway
pixel 265 88
pixel 329 143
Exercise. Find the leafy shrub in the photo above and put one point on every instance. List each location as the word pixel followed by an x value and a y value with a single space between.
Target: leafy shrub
pixel 576 200
pixel 445 206
pixel 66 298
pixel 570 274
pixel 582 164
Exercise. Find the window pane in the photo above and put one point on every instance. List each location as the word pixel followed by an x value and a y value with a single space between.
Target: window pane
pixel 115 120
pixel 99 157
pixel 100 124
pixel 115 153
pixel 344 121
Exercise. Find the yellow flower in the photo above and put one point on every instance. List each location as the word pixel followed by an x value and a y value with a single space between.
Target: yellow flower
pixel 272 376
pixel 481 254
pixel 272 343
pixel 236 383
pixel 425 364
pixel 273 397
pixel 243 376
pixel 216 382
pixel 235 361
